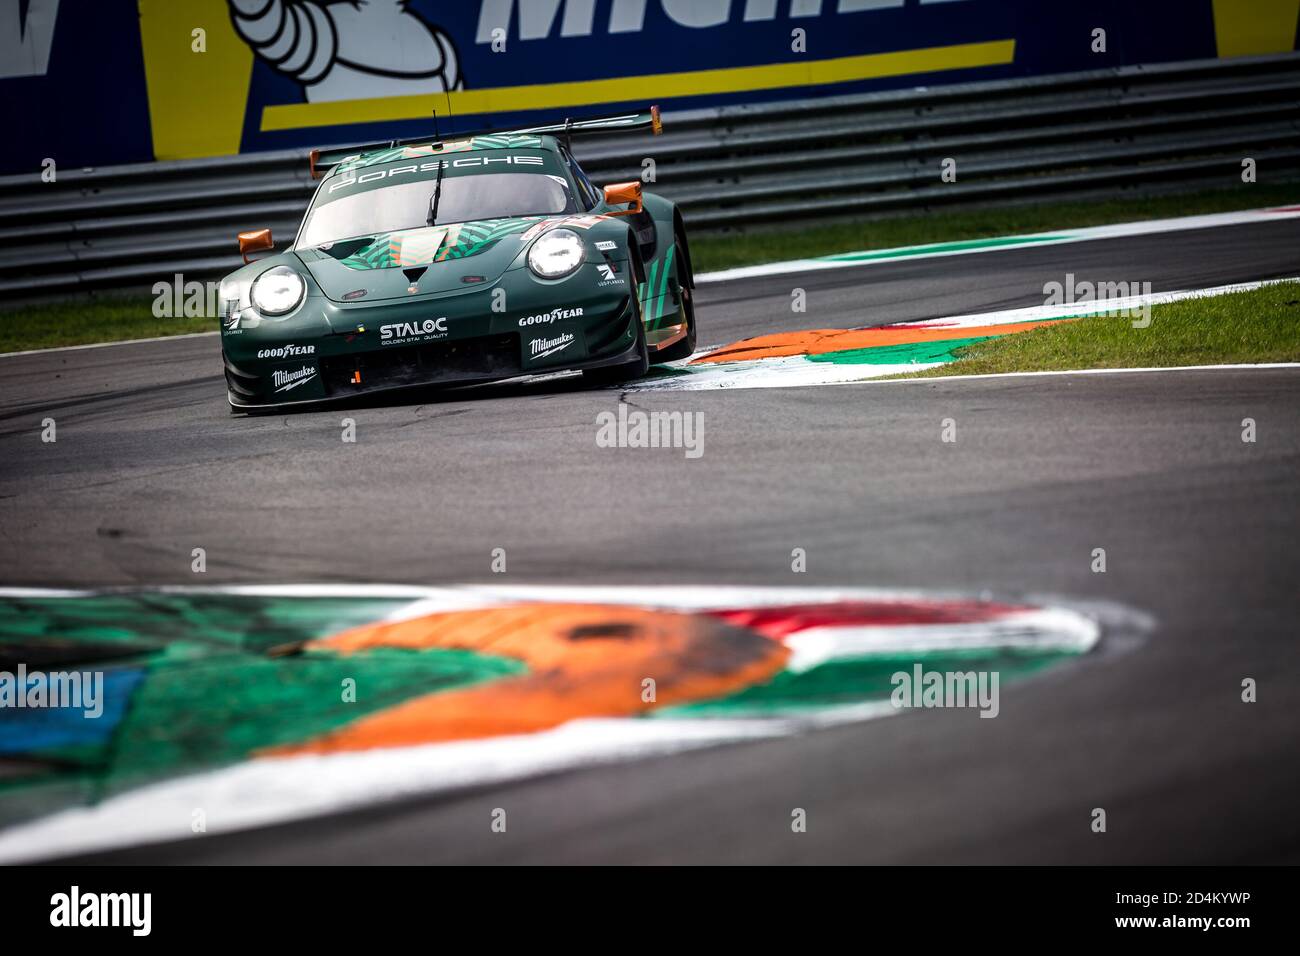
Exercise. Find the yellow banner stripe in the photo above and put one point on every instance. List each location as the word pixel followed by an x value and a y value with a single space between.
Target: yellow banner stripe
pixel 1261 26
pixel 510 99
pixel 196 100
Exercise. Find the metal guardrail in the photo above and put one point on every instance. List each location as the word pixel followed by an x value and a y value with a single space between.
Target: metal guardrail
pixel 1124 130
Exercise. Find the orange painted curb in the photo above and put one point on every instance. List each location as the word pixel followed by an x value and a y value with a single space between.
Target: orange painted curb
pixel 820 341
pixel 584 660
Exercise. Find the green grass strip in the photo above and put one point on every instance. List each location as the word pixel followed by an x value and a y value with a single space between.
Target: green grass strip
pixel 1257 326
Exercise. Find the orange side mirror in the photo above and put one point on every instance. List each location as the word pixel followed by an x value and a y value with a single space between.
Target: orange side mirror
pixel 618 193
pixel 258 240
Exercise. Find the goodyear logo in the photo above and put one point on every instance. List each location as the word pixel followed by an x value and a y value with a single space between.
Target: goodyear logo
pixel 546 318
pixel 287 351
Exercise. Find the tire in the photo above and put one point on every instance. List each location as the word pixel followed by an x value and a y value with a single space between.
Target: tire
pixel 617 374
pixel 682 348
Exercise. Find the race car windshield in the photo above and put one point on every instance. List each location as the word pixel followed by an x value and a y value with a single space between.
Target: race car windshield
pixel 464 198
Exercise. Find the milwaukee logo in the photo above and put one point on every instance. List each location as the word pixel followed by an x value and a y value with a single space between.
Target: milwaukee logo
pixel 541 348
pixel 283 380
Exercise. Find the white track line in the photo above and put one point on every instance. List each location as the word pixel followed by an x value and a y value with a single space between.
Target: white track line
pixel 105 345
pixel 899 380
pixel 1057 237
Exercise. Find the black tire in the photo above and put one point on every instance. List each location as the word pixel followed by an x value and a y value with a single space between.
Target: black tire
pixel 682 348
pixel 616 375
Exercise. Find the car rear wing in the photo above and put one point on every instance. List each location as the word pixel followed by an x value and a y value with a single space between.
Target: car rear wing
pixel 326 158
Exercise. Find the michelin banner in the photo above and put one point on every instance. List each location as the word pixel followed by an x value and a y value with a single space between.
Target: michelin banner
pixel 102 82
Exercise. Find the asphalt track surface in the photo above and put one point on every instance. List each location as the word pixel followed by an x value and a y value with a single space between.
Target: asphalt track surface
pixel 1201 532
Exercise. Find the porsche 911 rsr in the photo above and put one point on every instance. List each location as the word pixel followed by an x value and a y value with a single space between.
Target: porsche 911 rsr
pixel 457 261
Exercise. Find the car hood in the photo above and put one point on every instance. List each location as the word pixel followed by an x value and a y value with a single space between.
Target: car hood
pixel 431 259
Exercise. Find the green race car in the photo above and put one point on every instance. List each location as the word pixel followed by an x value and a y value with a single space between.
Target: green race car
pixel 456 261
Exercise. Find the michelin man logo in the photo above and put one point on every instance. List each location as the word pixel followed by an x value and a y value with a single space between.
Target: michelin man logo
pixel 349 49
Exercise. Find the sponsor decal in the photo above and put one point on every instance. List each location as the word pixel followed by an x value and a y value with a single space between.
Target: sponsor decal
pixel 546 318
pixel 285 379
pixel 350 179
pixel 541 348
pixel 287 351
pixel 606 245
pixel 403 331
pixel 608 276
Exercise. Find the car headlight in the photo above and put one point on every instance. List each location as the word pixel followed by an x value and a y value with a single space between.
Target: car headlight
pixel 556 253
pixel 278 291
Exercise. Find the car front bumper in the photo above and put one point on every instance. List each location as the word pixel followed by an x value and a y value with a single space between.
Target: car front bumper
pixel 261 375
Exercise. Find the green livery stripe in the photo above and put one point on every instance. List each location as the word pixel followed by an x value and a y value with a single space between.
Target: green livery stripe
pixel 462 240
pixel 655 288
pixel 663 281
pixel 475 237
pixel 647 295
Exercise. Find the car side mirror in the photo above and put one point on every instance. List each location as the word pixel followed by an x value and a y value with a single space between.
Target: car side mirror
pixel 618 193
pixel 258 240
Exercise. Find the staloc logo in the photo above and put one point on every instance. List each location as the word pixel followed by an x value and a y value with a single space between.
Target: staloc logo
pixel 406 330
pixel 287 351
pixel 546 318
pixel 74 908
